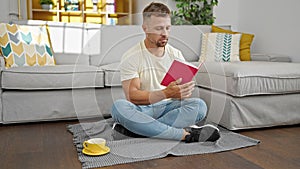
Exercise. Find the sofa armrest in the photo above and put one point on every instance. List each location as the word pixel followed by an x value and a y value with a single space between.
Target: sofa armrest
pixel 270 57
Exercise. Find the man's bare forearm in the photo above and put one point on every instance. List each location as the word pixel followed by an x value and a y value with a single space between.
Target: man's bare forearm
pixel 142 97
pixel 145 97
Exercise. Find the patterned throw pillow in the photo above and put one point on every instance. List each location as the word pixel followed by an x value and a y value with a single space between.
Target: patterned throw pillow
pixel 24 45
pixel 245 42
pixel 220 47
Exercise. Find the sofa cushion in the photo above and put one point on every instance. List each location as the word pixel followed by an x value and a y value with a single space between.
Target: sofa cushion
pixel 250 78
pixel 23 45
pixel 52 77
pixel 270 57
pixel 188 39
pixel 220 47
pixel 116 40
pixel 71 59
pixel 245 43
pixel 112 74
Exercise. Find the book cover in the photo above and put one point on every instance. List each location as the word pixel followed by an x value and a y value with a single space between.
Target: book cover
pixel 180 69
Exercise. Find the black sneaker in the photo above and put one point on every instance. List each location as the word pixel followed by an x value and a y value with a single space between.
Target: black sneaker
pixel 121 129
pixel 206 133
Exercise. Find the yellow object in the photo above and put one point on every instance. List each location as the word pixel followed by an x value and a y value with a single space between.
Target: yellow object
pixel 95 146
pixel 245 42
pixel 87 152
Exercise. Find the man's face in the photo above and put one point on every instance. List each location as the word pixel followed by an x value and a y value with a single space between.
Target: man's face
pixel 157 30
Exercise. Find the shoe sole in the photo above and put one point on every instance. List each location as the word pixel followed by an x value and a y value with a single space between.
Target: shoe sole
pixel 206 125
pixel 114 125
pixel 212 130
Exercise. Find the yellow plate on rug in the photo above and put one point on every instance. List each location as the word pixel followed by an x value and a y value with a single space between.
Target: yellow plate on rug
pixel 87 152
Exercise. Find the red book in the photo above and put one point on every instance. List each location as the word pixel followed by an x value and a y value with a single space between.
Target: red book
pixel 180 69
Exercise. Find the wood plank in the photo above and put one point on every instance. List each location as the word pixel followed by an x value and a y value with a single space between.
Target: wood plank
pixel 279 148
pixel 49 145
pixel 223 160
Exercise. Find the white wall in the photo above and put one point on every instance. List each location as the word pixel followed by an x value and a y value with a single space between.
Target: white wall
pixel 11 6
pixel 275 24
pixel 226 13
pixel 139 6
pixel 4 11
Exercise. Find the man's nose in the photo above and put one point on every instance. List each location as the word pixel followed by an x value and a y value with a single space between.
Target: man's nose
pixel 164 32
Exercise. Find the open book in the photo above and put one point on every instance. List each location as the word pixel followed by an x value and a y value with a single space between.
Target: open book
pixel 180 69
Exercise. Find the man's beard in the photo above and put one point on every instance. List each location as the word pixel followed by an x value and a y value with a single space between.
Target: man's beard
pixel 158 43
pixel 161 44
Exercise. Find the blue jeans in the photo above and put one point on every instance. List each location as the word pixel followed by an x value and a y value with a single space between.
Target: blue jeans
pixel 165 119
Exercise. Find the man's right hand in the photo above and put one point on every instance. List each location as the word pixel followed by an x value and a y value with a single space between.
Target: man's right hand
pixel 179 91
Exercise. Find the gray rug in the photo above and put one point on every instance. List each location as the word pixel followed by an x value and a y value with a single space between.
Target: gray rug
pixel 128 150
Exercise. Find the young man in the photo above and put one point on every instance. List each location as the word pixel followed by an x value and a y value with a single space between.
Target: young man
pixel 151 109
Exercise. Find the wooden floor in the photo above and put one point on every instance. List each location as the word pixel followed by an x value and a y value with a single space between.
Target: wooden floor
pixel 49 145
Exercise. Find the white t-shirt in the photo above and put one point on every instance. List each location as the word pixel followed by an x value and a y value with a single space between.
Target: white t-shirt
pixel 138 62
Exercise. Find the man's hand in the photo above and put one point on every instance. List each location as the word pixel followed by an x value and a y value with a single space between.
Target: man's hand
pixel 179 91
pixel 140 97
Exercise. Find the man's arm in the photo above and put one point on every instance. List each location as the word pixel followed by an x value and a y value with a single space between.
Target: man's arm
pixel 137 96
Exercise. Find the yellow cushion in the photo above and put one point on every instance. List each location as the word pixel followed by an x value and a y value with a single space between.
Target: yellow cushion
pixel 245 43
pixel 24 45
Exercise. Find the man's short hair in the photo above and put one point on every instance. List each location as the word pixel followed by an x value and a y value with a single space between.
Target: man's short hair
pixel 156 9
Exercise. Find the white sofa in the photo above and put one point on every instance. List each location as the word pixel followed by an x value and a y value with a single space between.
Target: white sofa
pixel 251 94
pixel 86 79
pixel 83 83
